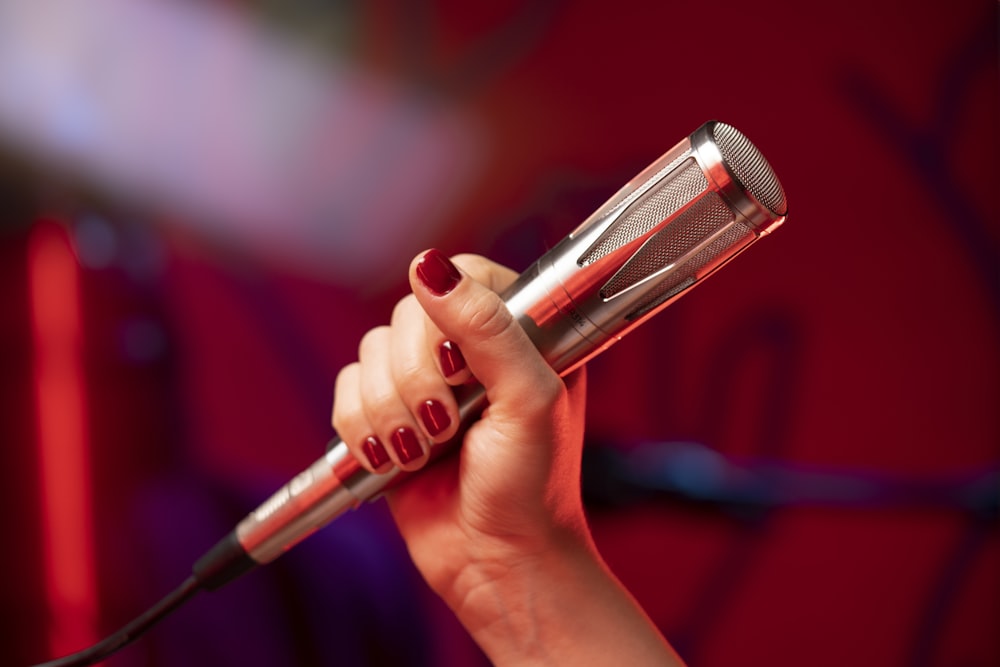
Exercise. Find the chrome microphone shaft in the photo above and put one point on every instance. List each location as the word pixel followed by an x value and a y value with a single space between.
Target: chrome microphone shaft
pixel 331 486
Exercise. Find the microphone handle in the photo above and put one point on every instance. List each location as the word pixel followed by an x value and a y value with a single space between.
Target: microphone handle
pixel 331 486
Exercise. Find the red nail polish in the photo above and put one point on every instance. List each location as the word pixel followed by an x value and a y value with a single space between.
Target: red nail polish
pixel 375 451
pixel 407 447
pixel 451 358
pixel 435 417
pixel 437 272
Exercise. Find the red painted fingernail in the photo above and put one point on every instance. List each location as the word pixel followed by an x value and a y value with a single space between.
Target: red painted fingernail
pixel 407 447
pixel 451 358
pixel 375 451
pixel 435 417
pixel 437 272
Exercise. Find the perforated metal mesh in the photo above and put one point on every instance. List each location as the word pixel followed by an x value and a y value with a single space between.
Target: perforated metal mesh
pixel 667 246
pixel 735 235
pixel 750 168
pixel 655 207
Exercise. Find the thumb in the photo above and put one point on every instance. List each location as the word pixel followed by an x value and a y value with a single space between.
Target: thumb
pixel 461 300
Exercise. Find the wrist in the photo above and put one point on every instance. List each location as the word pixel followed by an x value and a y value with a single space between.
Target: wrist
pixel 512 604
pixel 556 606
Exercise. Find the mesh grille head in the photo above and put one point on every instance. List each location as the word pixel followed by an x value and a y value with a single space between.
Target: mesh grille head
pixel 750 168
pixel 657 205
pixel 671 243
pixel 734 235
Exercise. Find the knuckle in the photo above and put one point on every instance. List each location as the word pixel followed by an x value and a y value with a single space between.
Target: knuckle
pixel 488 318
pixel 403 307
pixel 410 377
pixel 380 402
pixel 373 341
pixel 347 373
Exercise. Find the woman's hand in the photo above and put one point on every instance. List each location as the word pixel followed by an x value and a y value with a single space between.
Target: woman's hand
pixel 515 482
pixel 498 530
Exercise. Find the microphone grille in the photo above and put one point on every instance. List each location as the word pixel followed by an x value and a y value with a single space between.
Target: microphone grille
pixel 750 167
pixel 684 181
pixel 707 216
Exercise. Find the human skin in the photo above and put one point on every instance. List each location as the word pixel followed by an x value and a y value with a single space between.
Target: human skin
pixel 497 530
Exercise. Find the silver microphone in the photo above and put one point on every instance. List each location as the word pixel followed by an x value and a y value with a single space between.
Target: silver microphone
pixel 678 221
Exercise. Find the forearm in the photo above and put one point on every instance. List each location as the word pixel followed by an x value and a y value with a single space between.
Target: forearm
pixel 558 607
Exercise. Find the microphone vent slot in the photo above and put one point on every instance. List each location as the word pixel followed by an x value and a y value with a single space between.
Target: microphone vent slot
pixel 736 235
pixel 750 168
pixel 669 245
pixel 657 204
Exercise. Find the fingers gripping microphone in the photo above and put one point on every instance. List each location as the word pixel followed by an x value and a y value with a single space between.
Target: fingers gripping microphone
pixel 705 201
pixel 702 203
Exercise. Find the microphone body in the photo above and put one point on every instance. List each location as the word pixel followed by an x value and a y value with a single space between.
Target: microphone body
pixel 678 221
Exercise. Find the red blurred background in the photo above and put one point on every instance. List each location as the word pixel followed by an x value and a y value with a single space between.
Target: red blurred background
pixel 205 205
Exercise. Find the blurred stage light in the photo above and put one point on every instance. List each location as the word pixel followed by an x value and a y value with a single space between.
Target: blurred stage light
pixel 65 484
pixel 217 123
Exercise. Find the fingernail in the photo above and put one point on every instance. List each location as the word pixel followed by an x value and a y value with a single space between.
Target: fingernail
pixel 375 452
pixel 437 272
pixel 404 441
pixel 435 417
pixel 451 358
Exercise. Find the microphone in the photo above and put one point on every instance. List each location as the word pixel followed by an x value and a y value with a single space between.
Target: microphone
pixel 678 221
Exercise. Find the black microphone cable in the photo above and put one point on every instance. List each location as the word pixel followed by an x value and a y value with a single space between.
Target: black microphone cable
pixel 220 565
pixel 123 637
